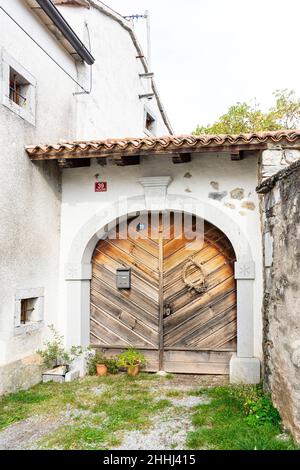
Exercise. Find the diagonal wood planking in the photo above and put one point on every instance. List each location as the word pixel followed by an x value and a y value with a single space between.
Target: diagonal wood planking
pixel 205 320
pixel 198 323
pixel 128 316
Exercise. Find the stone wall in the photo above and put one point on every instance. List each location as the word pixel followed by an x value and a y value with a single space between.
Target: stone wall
pixel 21 374
pixel 281 310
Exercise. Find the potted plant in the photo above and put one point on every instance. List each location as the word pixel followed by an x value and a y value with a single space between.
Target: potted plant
pixel 98 364
pixel 112 365
pixel 101 366
pixel 132 360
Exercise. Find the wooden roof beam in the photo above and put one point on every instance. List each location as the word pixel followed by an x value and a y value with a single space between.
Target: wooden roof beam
pixel 237 155
pixel 73 163
pixel 181 158
pixel 127 160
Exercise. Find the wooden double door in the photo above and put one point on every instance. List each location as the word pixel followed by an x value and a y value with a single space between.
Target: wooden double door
pixel 180 310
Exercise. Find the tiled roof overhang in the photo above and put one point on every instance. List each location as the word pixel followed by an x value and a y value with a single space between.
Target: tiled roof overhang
pixel 163 145
pixel 57 24
pixel 82 3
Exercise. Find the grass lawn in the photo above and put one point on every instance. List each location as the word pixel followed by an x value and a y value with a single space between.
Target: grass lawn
pixel 96 413
pixel 238 418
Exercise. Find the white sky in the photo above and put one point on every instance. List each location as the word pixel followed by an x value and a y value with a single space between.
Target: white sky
pixel 209 54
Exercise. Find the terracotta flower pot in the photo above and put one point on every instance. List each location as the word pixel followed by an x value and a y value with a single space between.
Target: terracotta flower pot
pixel 132 371
pixel 101 369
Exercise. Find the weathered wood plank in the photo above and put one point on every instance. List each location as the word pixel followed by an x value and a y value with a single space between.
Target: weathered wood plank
pixel 196 368
pixel 112 265
pixel 147 292
pixel 210 355
pixel 142 260
pixel 116 304
pixel 191 324
pixel 138 333
pixel 197 362
pixel 188 300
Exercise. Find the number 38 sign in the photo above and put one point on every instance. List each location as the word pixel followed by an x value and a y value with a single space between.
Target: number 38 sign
pixel 100 186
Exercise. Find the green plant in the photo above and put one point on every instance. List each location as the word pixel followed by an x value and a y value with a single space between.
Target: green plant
pixel 257 405
pixel 94 358
pixel 112 365
pixel 97 357
pixel 261 410
pixel 131 358
pixel 224 423
pixel 55 354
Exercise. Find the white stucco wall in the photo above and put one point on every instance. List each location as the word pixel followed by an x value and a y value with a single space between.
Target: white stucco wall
pixel 113 108
pixel 30 193
pixel 195 179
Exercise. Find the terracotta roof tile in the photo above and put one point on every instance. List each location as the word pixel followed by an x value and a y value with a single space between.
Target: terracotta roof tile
pixel 160 144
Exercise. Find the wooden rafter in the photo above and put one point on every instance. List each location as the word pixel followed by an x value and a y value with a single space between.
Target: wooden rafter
pixel 181 158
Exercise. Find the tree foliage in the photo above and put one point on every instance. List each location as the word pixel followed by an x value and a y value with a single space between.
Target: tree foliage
pixel 244 117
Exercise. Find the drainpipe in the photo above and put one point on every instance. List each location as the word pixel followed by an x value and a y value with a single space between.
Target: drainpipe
pixel 56 17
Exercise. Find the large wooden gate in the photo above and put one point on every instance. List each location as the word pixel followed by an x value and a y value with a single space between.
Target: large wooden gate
pixel 181 307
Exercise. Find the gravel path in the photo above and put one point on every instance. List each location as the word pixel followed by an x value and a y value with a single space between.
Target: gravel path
pixel 26 433
pixel 168 430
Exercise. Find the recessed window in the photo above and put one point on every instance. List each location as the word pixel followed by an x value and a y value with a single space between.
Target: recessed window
pixel 27 310
pixel 149 122
pixel 19 89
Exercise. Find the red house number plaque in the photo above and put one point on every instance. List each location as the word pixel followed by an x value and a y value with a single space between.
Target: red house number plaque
pixel 100 186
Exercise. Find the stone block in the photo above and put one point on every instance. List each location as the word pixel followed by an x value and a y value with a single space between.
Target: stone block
pixel 244 270
pixel 161 373
pixel 55 375
pixel 268 245
pixel 244 370
pixel 272 157
pixel 80 364
pixel 53 378
pixel 20 375
pixel 72 375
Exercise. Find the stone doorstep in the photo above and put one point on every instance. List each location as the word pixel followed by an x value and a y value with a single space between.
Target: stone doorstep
pixel 60 375
pixel 53 378
pixel 55 375
pixel 61 370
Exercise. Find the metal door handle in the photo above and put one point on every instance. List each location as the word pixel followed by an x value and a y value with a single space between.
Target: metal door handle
pixel 167 310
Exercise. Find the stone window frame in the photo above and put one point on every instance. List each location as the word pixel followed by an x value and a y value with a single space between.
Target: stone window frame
pixel 27 113
pixel 38 322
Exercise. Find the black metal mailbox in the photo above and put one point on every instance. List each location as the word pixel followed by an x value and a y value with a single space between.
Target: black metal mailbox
pixel 123 278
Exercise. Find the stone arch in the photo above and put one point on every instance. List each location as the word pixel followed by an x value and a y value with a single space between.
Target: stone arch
pixel 91 232
pixel 244 367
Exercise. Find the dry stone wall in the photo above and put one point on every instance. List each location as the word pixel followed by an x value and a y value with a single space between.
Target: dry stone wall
pixel 281 310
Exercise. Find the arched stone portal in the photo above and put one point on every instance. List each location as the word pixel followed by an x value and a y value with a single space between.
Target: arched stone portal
pixel 244 366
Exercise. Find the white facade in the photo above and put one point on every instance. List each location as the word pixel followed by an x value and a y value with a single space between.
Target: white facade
pixel 30 194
